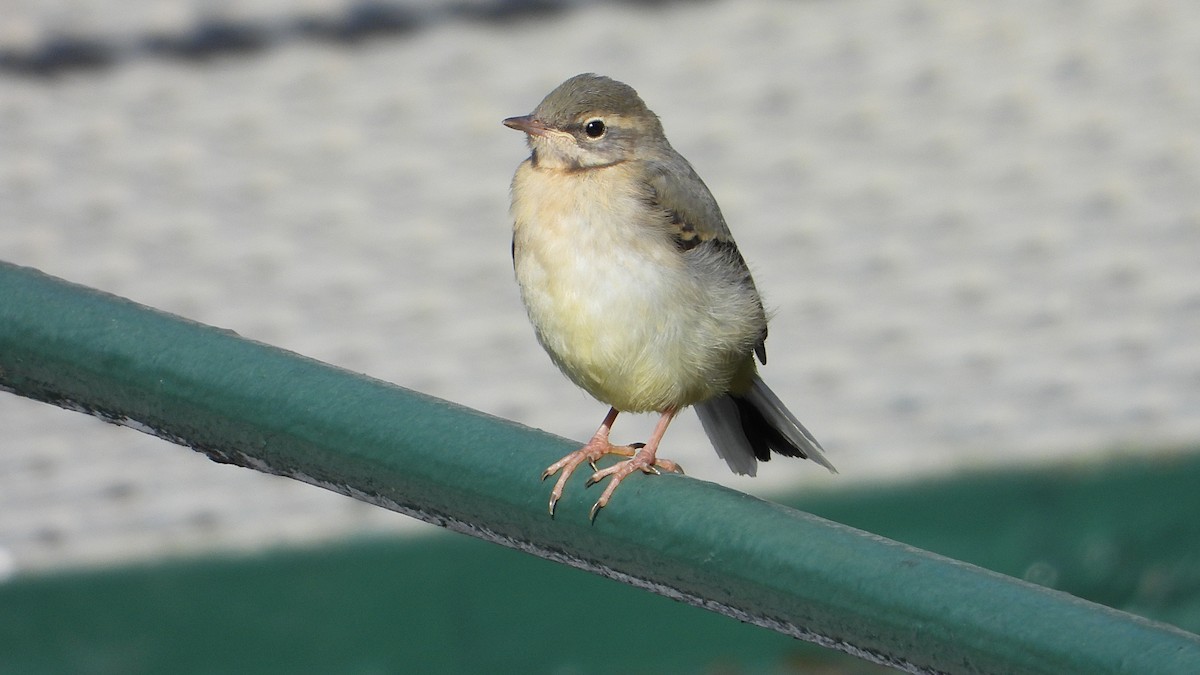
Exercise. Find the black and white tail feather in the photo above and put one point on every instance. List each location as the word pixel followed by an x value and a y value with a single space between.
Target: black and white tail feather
pixel 745 428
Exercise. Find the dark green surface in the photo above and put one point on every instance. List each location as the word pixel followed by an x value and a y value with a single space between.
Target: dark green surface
pixel 1124 533
pixel 251 404
pixel 450 604
pixel 447 605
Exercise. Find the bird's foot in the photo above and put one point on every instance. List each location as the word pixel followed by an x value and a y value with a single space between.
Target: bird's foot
pixel 594 450
pixel 641 460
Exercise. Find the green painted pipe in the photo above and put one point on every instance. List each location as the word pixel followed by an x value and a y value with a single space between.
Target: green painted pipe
pixel 254 405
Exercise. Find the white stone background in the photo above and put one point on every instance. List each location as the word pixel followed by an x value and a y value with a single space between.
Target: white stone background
pixel 978 225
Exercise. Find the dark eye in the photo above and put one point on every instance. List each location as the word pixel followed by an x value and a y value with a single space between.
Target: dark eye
pixel 594 128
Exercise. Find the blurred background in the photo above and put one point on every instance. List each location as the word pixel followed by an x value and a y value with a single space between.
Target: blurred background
pixel 977 224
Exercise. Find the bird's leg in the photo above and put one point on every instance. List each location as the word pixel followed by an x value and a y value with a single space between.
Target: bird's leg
pixel 643 459
pixel 596 448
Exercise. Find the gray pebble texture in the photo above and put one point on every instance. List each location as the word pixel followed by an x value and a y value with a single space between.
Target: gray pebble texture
pixel 977 225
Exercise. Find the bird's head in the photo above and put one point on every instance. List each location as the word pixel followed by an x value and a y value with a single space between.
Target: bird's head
pixel 587 122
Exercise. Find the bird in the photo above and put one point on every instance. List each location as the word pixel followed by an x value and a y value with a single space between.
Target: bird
pixel 635 287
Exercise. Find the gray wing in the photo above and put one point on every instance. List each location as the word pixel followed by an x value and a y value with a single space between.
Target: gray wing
pixel 695 221
pixel 694 212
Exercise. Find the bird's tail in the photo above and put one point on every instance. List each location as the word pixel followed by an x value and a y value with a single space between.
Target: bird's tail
pixel 745 428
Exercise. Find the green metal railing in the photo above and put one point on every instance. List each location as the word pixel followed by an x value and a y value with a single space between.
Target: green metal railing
pixel 250 404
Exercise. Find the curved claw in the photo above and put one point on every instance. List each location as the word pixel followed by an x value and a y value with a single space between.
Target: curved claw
pixel 590 453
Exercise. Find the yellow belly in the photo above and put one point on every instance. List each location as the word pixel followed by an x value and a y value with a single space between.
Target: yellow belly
pixel 616 305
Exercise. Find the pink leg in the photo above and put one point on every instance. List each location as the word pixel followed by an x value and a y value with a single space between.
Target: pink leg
pixel 644 460
pixel 600 446
pixel 596 448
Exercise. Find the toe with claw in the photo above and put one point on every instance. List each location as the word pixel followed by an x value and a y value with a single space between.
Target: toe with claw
pixel 594 450
pixel 642 461
pixel 641 457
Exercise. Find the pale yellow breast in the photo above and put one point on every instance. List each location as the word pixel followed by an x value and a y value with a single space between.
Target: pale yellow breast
pixel 611 298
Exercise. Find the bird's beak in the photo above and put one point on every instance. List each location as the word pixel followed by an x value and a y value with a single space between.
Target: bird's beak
pixel 529 124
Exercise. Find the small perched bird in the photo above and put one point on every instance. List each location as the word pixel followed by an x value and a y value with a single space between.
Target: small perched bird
pixel 635 287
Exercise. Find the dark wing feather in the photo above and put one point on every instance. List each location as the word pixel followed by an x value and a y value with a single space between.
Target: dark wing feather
pixel 681 193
